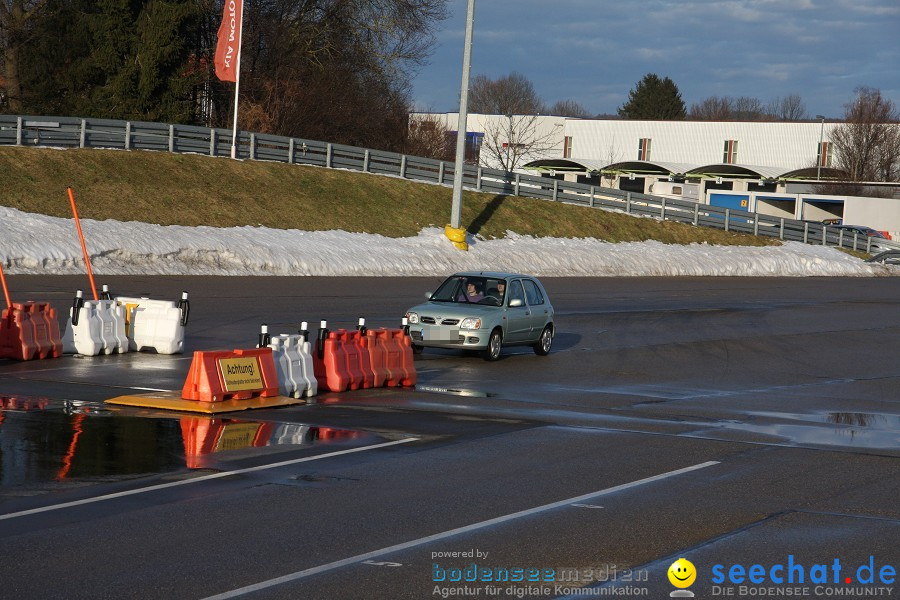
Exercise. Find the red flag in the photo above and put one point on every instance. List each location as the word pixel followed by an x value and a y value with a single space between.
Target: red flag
pixel 229 41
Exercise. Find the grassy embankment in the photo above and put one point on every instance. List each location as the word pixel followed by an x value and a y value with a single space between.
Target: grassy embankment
pixel 173 189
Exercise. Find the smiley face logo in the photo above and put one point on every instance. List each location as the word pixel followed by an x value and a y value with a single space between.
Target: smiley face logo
pixel 682 573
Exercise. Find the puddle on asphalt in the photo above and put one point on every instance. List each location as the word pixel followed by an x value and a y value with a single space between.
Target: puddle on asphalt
pixel 829 428
pixel 47 444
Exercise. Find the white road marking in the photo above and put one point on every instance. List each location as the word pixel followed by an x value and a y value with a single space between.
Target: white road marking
pixel 163 486
pixel 439 536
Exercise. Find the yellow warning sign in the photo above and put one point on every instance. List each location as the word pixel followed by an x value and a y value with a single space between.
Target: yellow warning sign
pixel 241 373
pixel 236 436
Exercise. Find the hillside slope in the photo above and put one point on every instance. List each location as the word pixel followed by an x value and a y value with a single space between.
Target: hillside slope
pixel 176 189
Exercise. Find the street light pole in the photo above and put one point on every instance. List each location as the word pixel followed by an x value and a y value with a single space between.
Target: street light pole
pixel 821 149
pixel 453 231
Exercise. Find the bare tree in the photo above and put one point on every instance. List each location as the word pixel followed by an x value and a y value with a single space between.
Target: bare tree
pixel 428 136
pixel 15 18
pixel 746 108
pixel 789 108
pixel 713 108
pixel 867 143
pixel 512 141
pixel 569 108
pixel 510 95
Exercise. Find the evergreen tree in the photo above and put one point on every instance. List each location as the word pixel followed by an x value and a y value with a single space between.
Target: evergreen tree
pixel 654 98
pixel 117 59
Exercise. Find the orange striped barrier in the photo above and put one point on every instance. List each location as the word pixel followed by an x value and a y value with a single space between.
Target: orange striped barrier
pixel 218 375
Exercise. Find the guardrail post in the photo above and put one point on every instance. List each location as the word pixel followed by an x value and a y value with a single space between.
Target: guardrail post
pixel 627 203
pixel 697 214
pixel 403 166
pixel 855 240
pixel 18 131
pixel 755 223
pixel 840 238
pixel 806 233
pixel 518 184
pixel 592 196
pixel 171 138
pixel 291 151
pixel 82 137
pixel 366 162
pixel 128 135
pixel 555 189
pixel 441 173
pixel 252 146
pixel 824 235
pixel 662 209
pixel 328 156
pixel 727 219
pixel 869 244
pixel 212 141
pixel 781 230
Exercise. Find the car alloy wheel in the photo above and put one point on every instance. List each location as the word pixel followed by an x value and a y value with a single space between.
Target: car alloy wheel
pixel 542 347
pixel 495 343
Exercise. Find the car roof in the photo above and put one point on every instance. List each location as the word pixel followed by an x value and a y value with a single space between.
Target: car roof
pixel 494 274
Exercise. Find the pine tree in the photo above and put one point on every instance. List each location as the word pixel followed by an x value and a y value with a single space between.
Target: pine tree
pixel 654 98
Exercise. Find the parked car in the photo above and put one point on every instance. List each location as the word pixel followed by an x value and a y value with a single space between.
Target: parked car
pixel 484 311
pixel 861 230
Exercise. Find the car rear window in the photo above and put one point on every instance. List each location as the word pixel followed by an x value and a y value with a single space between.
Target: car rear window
pixel 534 295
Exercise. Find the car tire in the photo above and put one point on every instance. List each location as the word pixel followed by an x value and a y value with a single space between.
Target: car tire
pixel 417 349
pixel 495 343
pixel 542 346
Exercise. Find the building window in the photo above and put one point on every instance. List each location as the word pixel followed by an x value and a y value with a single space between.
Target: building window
pixel 729 155
pixel 567 147
pixel 823 157
pixel 644 149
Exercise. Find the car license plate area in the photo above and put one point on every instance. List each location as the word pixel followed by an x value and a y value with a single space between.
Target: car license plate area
pixel 440 334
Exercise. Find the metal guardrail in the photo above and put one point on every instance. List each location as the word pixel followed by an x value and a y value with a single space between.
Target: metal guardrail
pixel 72 132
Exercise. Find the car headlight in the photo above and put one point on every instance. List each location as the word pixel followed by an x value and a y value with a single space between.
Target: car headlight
pixel 412 317
pixel 470 323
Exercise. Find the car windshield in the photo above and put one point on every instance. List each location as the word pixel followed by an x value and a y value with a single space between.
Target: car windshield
pixel 489 291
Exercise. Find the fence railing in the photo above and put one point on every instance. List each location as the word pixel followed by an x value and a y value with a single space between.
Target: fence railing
pixel 72 132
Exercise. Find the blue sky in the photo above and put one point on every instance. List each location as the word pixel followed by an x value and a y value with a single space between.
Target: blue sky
pixel 594 51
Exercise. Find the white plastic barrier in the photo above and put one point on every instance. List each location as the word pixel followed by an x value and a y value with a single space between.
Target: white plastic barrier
pixel 154 325
pixel 98 328
pixel 294 364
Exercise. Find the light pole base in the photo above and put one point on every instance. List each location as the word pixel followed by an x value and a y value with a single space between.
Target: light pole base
pixel 457 235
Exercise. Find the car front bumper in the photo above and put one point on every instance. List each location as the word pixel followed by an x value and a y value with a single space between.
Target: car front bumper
pixel 448 337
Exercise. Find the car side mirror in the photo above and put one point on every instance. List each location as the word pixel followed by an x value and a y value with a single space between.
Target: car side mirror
pixel 515 302
pixel 428 295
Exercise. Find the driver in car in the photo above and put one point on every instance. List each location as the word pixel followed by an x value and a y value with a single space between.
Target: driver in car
pixel 473 292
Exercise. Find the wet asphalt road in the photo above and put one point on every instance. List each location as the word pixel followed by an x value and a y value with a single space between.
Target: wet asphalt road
pixel 728 421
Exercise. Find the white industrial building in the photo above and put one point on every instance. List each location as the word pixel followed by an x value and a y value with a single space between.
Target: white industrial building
pixel 766 167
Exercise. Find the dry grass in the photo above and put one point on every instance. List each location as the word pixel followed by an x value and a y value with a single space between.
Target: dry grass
pixel 174 189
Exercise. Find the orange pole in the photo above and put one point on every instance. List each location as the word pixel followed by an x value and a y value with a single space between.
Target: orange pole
pixel 87 257
pixel 5 289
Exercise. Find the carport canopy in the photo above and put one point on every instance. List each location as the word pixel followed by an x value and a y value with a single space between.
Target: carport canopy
pixel 564 164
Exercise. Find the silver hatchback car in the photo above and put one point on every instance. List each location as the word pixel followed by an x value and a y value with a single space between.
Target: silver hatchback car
pixel 484 311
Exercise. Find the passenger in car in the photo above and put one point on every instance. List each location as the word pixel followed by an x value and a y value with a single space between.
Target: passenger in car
pixel 498 291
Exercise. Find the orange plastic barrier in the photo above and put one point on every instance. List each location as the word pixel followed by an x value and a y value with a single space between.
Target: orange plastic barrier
pixel 204 435
pixel 353 352
pixel 337 375
pixel 220 375
pixel 378 357
pixel 29 330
